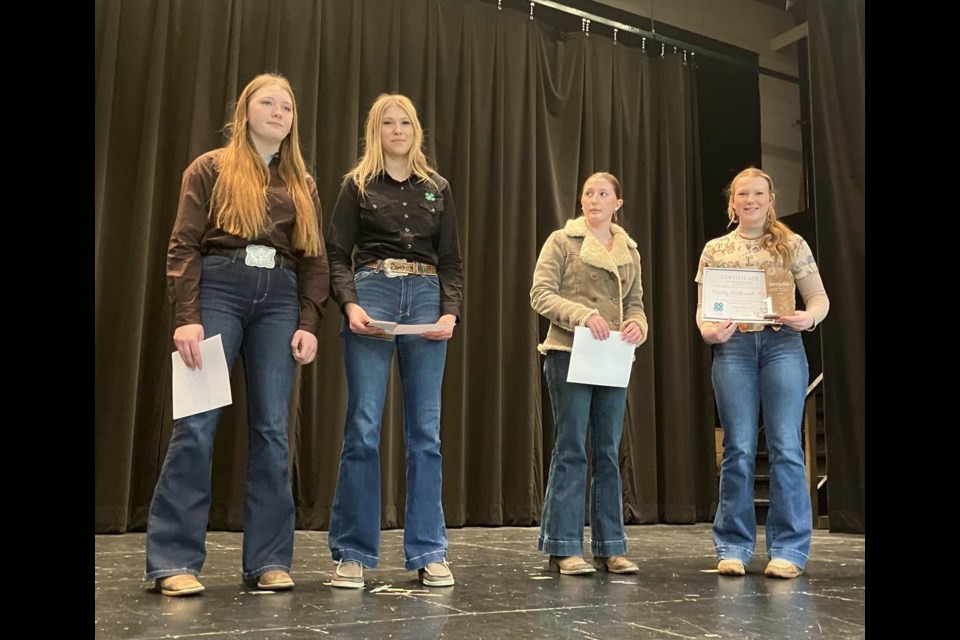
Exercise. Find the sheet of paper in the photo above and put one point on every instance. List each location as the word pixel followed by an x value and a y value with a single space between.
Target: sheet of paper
pixel 396 329
pixel 737 294
pixel 601 362
pixel 199 390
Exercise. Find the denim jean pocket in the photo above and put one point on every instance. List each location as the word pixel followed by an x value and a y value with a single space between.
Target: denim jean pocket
pixel 215 263
pixel 362 274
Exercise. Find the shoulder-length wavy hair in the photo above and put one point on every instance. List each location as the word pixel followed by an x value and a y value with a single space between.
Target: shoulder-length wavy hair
pixel 371 163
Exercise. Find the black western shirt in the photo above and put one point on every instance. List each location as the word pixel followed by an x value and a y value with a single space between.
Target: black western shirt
pixel 408 220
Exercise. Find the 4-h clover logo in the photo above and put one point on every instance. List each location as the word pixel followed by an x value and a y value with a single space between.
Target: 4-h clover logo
pixel 718 307
pixel 430 195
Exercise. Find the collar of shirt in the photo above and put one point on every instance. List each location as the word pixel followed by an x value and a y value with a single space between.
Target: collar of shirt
pixel 409 181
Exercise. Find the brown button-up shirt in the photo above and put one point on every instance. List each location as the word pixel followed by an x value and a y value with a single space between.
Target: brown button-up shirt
pixel 409 220
pixel 194 235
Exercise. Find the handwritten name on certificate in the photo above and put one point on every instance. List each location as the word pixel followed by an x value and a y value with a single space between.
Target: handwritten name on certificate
pixel 739 295
pixel 606 363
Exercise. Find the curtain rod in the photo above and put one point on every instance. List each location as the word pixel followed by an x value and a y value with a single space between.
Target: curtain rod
pixel 653 35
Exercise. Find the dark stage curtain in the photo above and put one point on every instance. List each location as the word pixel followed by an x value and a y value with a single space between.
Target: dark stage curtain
pixel 517 114
pixel 837 81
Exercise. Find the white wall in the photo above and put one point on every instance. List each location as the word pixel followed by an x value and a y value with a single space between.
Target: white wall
pixel 750 25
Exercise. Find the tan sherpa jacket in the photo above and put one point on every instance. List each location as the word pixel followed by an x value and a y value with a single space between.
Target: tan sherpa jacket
pixel 576 277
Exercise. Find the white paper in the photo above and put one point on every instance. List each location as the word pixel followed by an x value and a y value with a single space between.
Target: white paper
pixel 199 390
pixel 606 363
pixel 396 329
pixel 737 294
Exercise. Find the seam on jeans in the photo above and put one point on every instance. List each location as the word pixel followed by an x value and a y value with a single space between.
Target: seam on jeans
pixel 166 573
pixel 612 540
pixel 595 484
pixel 215 266
pixel 256 573
pixel 429 553
pixel 546 539
pixel 359 553
pixel 732 551
pixel 782 550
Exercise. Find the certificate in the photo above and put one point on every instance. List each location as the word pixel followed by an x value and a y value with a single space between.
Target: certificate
pixel 742 295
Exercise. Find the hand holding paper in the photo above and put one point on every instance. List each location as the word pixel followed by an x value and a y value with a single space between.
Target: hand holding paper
pixel 601 362
pixel 199 390
pixel 632 333
pixel 396 329
pixel 598 326
pixel 360 321
pixel 448 322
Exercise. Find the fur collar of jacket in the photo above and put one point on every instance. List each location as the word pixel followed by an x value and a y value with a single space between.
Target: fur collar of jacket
pixel 594 253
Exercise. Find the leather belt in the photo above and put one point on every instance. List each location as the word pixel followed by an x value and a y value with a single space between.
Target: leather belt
pixel 257 259
pixel 394 267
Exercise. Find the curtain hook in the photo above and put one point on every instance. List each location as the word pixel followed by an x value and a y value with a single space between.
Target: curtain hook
pixel 499 3
pixel 531 9
pixel 643 44
pixel 663 49
pixel 615 35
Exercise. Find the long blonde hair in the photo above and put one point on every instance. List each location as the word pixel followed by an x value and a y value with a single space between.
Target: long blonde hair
pixel 239 198
pixel 776 235
pixel 371 164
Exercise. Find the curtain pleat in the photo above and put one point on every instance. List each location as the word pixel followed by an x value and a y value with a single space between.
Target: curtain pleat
pixel 837 81
pixel 517 114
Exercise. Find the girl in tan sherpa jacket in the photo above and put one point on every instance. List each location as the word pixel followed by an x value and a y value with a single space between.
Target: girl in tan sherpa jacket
pixel 588 274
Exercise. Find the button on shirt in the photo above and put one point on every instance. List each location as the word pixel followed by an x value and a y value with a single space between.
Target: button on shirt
pixel 409 220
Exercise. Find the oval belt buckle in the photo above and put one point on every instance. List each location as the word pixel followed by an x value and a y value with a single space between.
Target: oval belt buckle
pixel 261 256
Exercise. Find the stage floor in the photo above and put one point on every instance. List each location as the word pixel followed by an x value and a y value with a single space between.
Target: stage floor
pixel 503 590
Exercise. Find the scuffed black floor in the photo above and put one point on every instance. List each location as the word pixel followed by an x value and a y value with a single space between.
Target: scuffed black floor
pixel 503 590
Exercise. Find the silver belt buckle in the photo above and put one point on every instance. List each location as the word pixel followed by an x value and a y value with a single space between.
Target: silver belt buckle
pixel 261 256
pixel 387 268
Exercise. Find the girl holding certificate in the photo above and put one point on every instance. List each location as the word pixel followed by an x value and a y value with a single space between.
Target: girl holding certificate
pixel 245 261
pixel 762 366
pixel 394 257
pixel 588 274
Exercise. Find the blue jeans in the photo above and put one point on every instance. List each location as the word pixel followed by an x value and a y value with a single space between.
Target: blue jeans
pixel 579 409
pixel 765 369
pixel 355 517
pixel 256 312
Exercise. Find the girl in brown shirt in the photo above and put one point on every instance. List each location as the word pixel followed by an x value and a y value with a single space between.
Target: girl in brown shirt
pixel 246 261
